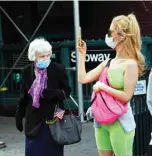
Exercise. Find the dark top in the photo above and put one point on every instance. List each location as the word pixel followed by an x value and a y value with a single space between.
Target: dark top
pixel 57 81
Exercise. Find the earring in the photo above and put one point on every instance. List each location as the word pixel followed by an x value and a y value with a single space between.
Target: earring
pixel 121 38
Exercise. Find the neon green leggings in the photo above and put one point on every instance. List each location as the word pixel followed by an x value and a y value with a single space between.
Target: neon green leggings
pixel 112 137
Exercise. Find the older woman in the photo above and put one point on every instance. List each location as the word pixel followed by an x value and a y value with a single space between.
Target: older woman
pixel 44 85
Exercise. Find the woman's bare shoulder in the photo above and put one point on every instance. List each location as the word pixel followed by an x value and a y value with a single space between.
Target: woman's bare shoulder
pixel 131 63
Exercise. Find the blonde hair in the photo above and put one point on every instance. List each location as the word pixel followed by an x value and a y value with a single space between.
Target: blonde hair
pixel 128 28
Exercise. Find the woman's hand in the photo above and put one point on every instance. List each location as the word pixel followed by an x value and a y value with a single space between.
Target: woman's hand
pixel 82 47
pixel 99 86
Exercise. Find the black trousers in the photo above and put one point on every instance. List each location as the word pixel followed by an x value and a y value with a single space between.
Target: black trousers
pixel 43 144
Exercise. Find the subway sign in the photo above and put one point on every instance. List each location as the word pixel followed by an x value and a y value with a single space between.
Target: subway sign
pixel 93 57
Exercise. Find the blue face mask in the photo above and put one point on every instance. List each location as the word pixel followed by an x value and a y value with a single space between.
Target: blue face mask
pixel 43 64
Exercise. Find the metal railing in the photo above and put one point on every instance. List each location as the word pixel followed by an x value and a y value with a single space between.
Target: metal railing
pixel 10 97
pixel 138 104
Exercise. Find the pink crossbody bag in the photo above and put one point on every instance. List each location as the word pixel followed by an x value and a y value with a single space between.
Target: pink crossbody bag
pixel 105 108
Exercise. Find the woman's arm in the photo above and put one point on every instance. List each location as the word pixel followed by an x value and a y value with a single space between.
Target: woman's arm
pixel 94 74
pixel 149 93
pixel 130 81
pixel 21 105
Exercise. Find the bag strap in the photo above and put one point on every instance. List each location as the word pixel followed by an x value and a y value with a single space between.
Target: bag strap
pixel 56 106
pixel 92 101
pixel 108 63
pixel 67 101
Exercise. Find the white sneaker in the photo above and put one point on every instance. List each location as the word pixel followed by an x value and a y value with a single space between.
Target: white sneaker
pixel 2 145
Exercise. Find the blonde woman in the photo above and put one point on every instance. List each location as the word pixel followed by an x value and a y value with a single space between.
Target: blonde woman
pixel 124 70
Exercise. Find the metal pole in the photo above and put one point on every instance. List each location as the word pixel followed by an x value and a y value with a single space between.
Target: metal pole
pixel 70 68
pixel 76 27
pixel 28 42
pixel 73 68
pixel 13 23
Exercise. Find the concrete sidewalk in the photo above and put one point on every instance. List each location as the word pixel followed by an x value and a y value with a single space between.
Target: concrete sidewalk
pixel 15 140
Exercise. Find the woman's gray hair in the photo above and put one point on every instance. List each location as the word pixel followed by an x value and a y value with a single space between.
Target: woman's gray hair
pixel 38 45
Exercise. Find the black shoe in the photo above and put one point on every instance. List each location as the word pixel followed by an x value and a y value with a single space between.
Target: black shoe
pixel 2 145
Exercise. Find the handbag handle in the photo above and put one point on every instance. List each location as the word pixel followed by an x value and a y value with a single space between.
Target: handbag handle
pixel 67 101
pixel 50 122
